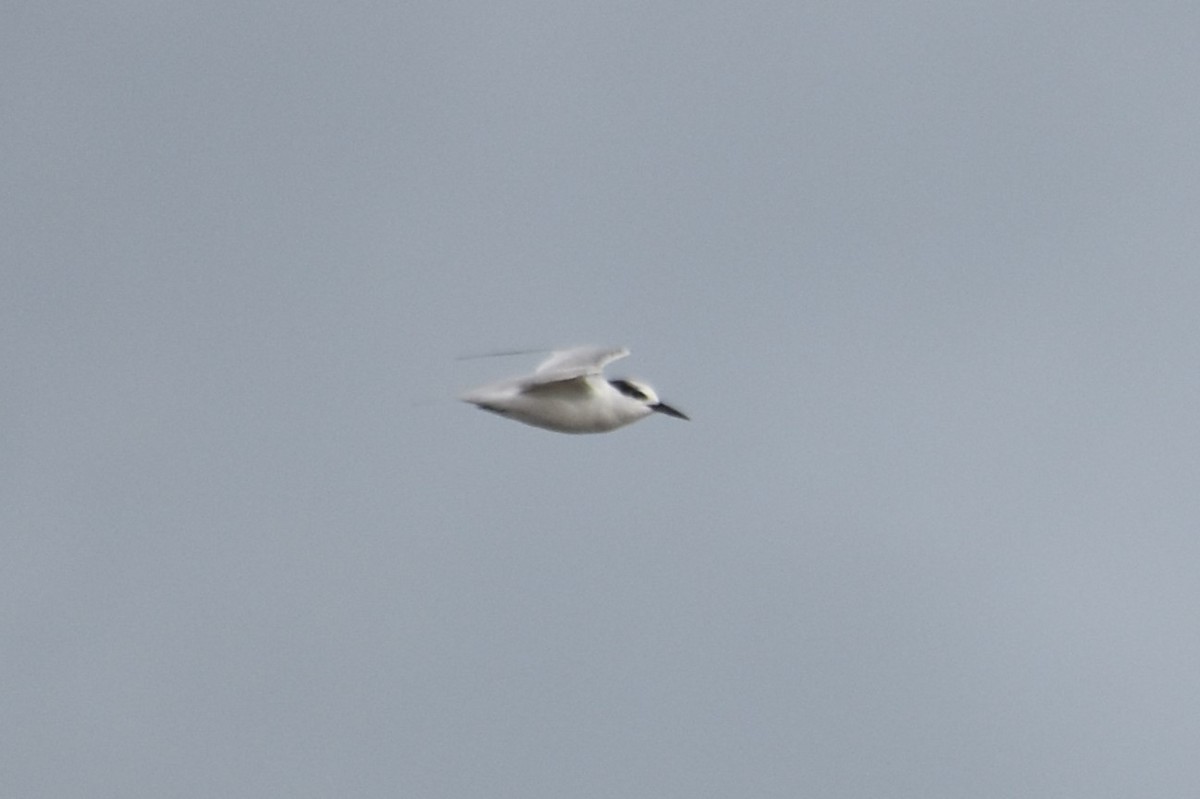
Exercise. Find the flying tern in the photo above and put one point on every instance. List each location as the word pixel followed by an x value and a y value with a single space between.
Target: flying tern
pixel 568 393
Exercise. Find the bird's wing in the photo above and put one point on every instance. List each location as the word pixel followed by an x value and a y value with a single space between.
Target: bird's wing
pixel 568 388
pixel 566 364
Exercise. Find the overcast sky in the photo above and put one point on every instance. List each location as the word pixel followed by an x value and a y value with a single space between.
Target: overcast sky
pixel 926 277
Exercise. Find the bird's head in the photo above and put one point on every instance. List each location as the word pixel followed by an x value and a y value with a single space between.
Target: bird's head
pixel 639 392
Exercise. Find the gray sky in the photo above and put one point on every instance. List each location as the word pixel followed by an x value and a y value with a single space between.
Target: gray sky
pixel 923 274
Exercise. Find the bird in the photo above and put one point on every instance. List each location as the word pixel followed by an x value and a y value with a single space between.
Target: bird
pixel 568 393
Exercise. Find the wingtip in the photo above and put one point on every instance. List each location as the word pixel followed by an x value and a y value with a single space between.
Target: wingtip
pixel 499 354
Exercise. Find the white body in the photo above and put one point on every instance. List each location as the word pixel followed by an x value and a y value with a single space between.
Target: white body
pixel 569 394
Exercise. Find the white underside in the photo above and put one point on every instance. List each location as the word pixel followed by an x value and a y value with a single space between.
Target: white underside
pixel 586 404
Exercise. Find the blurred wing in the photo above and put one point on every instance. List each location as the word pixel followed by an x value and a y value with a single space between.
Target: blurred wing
pixel 577 362
pixel 571 389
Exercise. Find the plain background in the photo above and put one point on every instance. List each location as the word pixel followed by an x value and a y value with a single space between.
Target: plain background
pixel 924 274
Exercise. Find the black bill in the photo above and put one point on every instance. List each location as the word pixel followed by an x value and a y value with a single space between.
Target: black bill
pixel 663 407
